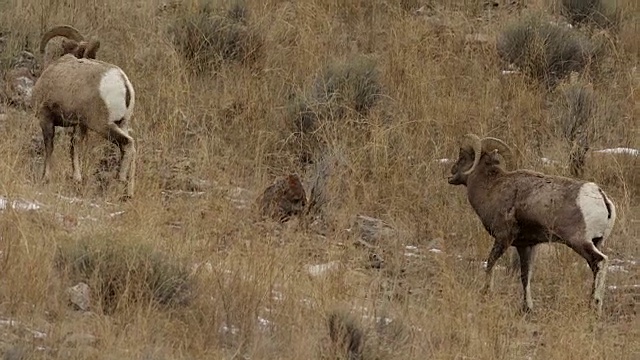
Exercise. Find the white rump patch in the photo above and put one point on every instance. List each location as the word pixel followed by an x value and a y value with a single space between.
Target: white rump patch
pixel 594 211
pixel 113 90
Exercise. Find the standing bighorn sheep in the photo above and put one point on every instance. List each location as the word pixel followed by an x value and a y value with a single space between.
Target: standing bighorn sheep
pixel 77 90
pixel 523 208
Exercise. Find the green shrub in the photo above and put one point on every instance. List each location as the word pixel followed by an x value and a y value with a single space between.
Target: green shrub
pixel 342 87
pixel 207 36
pixel 582 116
pixel 596 12
pixel 546 51
pixel 122 273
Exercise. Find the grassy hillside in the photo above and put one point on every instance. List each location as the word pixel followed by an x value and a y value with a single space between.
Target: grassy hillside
pixel 362 99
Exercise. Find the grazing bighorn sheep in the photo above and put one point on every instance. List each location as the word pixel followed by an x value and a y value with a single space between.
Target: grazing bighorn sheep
pixel 523 208
pixel 75 90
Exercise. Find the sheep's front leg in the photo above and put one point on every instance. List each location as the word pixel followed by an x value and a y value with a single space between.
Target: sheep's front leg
pixel 526 255
pixel 78 137
pixel 497 251
pixel 48 134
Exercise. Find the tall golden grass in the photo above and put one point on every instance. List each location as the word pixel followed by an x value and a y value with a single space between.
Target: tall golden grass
pixel 252 296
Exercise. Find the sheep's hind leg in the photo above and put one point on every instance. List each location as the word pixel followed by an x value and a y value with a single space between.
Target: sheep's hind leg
pixel 598 262
pixel 497 251
pixel 526 255
pixel 128 156
pixel 78 137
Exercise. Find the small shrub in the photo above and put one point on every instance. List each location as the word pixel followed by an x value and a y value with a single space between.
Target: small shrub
pixel 546 51
pixel 341 90
pixel 207 37
pixel 346 334
pixel 575 122
pixel 352 84
pixel 581 116
pixel 342 87
pixel 595 12
pixel 124 273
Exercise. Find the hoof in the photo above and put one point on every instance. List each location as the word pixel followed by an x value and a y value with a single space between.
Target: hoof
pixel 525 310
pixel 596 305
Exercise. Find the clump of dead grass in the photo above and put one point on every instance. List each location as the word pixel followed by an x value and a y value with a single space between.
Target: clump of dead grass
pixel 122 273
pixel 547 51
pixel 207 36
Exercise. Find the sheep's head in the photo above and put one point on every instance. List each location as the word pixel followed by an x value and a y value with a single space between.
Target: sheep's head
pixel 72 43
pixel 475 152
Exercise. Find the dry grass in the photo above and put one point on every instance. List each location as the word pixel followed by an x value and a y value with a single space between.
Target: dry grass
pixel 252 295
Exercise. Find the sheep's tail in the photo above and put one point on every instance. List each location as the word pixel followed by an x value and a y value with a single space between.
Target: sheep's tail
pixel 611 210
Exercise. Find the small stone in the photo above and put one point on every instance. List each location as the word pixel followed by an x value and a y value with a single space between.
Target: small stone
pixel 372 230
pixel 78 340
pixel 198 185
pixel 80 296
pixel 15 353
pixel 477 39
pixel 322 269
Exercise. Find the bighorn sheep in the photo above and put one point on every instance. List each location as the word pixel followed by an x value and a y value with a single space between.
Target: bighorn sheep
pixel 523 208
pixel 75 90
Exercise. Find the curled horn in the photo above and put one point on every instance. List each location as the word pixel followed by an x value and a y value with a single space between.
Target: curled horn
pixel 67 31
pixel 490 143
pixel 476 145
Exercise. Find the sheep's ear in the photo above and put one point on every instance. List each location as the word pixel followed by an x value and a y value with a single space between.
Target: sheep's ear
pixel 79 51
pixel 69 46
pixel 493 157
pixel 91 49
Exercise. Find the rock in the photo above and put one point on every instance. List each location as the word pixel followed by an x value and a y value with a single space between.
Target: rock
pixel 241 198
pixel 322 269
pixel 80 340
pixel 372 230
pixel 283 199
pixel 20 79
pixel 194 184
pixel 15 353
pixel 80 296
pixel 477 39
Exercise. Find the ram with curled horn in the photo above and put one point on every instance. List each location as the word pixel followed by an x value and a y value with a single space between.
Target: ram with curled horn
pixel 523 208
pixel 76 90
